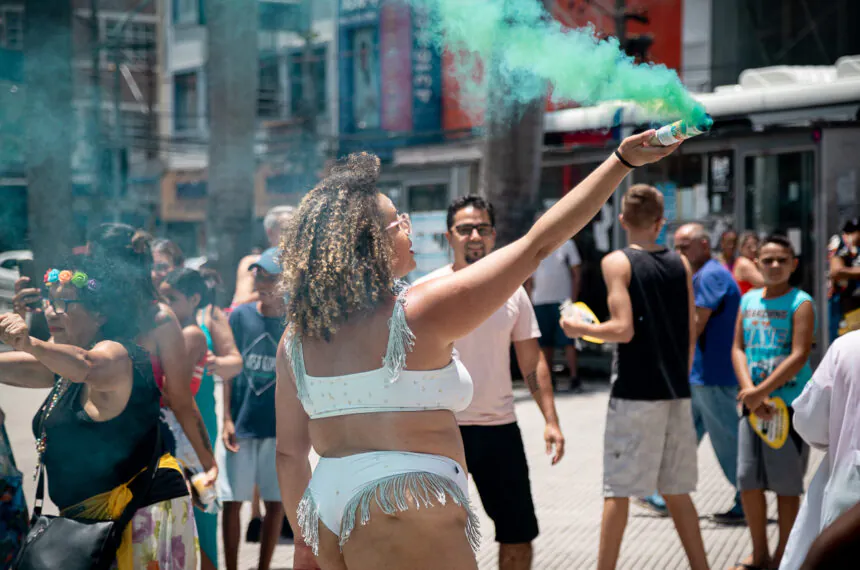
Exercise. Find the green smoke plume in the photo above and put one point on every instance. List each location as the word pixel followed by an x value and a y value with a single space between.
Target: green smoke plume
pixel 530 49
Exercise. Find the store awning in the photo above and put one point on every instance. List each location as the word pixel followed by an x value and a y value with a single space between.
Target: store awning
pixel 432 155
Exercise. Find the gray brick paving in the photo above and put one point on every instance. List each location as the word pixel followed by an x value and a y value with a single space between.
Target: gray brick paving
pixel 567 496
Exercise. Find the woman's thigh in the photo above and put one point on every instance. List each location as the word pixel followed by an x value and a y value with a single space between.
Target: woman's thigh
pixel 417 538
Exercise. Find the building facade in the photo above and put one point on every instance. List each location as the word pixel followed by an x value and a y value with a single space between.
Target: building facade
pixel 114 158
pixel 296 109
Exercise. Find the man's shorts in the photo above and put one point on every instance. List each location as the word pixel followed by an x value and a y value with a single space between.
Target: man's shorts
pixel 649 445
pixel 496 459
pixel 551 333
pixel 253 464
pixel 762 467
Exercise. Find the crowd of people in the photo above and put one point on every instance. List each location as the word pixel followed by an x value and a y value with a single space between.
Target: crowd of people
pixel 404 391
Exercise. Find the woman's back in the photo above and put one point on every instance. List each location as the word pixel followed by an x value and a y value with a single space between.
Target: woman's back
pixel 359 346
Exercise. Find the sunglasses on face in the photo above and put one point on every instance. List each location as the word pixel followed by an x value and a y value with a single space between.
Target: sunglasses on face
pixel 59 306
pixel 465 230
pixel 264 276
pixel 771 260
pixel 403 222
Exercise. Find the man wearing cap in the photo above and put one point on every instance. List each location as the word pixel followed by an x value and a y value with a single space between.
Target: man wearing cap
pixel 246 452
pixel 274 223
pixel 844 278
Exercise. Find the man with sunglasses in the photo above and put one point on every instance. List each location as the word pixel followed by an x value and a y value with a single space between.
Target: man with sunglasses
pixel 246 452
pixel 495 456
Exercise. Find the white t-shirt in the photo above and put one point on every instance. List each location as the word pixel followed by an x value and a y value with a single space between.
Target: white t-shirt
pixel 486 353
pixel 552 280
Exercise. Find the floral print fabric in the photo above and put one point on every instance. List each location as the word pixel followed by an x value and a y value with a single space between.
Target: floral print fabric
pixel 164 536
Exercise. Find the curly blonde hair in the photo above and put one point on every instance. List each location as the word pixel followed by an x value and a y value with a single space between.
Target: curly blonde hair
pixel 335 252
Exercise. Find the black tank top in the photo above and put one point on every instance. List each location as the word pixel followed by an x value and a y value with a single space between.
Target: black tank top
pixel 655 364
pixel 84 458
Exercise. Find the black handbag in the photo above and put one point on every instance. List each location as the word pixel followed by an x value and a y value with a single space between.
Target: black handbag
pixel 74 544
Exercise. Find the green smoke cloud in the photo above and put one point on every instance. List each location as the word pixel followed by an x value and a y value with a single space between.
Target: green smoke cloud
pixel 530 49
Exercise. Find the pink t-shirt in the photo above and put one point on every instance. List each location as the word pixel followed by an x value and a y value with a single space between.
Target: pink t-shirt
pixel 486 353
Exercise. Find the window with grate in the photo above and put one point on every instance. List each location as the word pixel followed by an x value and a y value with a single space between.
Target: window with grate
pixel 298 79
pixel 186 102
pixel 12 27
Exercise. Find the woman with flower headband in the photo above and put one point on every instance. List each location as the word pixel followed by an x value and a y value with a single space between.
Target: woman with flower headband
pixel 387 437
pixel 97 429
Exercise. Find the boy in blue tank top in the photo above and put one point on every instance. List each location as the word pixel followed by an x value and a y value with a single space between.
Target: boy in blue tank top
pixel 773 339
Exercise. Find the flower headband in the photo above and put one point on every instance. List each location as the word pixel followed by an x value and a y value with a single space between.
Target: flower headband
pixel 78 278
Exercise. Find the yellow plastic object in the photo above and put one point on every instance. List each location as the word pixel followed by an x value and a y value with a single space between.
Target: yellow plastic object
pixel 774 431
pixel 585 313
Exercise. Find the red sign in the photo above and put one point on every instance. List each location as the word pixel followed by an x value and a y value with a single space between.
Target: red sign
pixel 395 55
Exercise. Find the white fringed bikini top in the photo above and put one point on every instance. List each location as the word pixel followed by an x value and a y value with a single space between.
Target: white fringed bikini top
pixel 391 388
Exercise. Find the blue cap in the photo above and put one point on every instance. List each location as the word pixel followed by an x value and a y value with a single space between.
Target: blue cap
pixel 268 261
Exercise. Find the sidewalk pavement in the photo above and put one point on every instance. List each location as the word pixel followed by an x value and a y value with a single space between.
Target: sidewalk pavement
pixel 567 496
pixel 569 501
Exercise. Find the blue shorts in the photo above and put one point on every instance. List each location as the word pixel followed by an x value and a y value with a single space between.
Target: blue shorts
pixel 253 464
pixel 551 333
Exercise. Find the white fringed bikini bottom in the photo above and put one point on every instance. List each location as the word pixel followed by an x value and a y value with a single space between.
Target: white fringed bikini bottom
pixel 342 489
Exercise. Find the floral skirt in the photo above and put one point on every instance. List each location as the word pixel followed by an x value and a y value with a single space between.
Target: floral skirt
pixel 164 536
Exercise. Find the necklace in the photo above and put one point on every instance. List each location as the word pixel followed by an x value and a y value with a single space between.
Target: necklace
pixel 60 388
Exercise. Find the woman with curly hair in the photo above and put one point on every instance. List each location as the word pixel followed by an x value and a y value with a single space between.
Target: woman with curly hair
pixel 386 435
pixel 97 429
pixel 161 335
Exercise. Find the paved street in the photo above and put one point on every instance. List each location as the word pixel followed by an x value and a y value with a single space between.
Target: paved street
pixel 567 496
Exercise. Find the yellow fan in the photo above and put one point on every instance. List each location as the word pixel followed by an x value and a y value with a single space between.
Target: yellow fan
pixel 774 431
pixel 569 309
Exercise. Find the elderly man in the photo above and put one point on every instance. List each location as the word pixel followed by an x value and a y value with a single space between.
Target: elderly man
pixel 713 383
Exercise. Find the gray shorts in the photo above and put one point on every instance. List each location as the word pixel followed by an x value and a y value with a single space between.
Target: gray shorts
pixel 762 467
pixel 649 445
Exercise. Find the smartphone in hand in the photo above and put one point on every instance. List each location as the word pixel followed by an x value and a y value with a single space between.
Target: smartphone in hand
pixel 27 268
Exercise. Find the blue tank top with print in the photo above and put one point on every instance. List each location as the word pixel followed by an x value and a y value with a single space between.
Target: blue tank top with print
pixel 768 331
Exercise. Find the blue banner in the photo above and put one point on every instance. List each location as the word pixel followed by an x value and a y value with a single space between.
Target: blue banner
pixel 390 77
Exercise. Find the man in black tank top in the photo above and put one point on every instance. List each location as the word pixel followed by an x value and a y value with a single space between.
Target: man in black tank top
pixel 650 441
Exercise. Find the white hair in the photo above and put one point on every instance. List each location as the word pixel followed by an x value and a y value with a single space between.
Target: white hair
pixel 275 215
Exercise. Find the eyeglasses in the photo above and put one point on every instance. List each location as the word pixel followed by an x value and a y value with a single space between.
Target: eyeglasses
pixel 264 276
pixel 59 306
pixel 465 230
pixel 403 222
pixel 771 260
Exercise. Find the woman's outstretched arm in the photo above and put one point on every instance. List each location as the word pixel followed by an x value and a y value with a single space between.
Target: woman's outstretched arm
pixel 443 310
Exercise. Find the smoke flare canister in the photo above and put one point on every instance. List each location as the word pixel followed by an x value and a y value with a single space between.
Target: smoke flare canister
pixel 679 131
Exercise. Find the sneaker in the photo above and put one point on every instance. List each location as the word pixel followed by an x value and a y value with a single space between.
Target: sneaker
pixel 654 503
pixel 286 529
pixel 254 529
pixel 575 386
pixel 733 516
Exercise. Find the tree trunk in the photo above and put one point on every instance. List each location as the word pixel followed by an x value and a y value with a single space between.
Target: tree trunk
pixel 511 165
pixel 232 73
pixel 511 162
pixel 49 128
